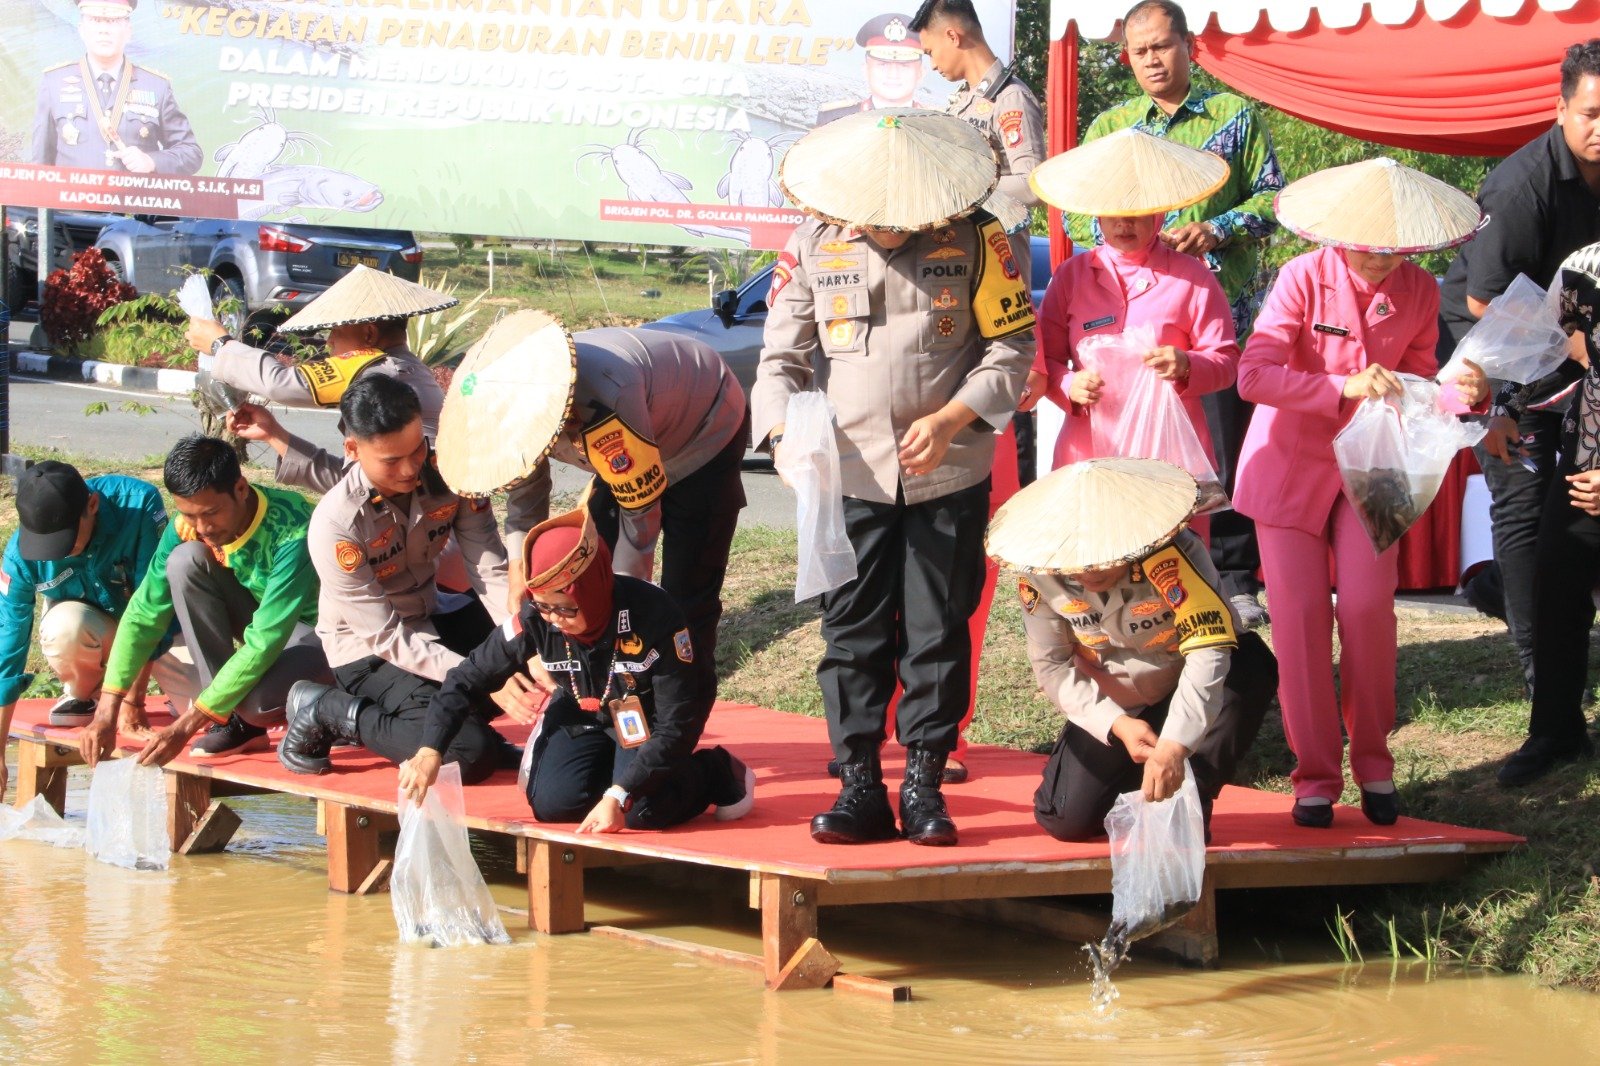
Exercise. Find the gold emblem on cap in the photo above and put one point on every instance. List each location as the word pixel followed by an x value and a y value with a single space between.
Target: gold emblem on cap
pixel 895 31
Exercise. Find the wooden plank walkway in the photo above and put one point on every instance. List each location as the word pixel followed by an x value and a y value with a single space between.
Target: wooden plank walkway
pixel 1002 856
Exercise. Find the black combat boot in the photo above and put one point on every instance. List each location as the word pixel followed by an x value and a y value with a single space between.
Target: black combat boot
pixel 922 813
pixel 861 814
pixel 317 716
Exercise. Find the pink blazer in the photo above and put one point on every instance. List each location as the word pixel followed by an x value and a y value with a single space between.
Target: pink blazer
pixel 1186 308
pixel 1308 338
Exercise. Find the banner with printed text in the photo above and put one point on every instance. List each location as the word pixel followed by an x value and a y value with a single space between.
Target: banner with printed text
pixel 659 121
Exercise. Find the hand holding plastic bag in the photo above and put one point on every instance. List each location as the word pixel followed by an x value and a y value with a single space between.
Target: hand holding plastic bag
pixel 128 815
pixel 1519 338
pixel 438 892
pixel 809 461
pixel 195 298
pixel 1140 416
pixel 1393 455
pixel 1158 861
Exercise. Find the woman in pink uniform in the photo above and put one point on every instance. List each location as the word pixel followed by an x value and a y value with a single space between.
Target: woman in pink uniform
pixel 1131 280
pixel 1337 327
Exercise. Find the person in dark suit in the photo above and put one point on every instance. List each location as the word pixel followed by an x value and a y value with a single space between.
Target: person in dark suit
pixel 103 112
pixel 893 67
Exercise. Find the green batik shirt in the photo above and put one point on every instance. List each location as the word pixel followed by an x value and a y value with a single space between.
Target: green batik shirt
pixel 1228 126
pixel 270 560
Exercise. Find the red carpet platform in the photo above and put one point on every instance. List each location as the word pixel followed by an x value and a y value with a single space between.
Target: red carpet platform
pixel 1002 853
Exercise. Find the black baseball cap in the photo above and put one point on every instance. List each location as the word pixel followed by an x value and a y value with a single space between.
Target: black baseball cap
pixel 51 499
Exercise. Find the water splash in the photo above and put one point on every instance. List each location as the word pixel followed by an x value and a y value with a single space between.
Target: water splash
pixel 1104 958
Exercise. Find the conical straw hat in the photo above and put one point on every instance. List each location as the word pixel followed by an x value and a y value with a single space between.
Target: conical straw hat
pixel 1128 173
pixel 1092 515
pixel 366 295
pixel 506 403
pixel 900 169
pixel 1011 214
pixel 1378 206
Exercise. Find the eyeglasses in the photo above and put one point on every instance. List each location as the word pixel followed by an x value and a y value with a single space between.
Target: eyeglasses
pixel 559 612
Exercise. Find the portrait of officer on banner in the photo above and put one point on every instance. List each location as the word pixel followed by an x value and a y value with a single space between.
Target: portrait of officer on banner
pixel 893 68
pixel 103 111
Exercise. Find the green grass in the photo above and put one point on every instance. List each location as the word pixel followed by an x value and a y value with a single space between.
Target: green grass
pixel 1534 910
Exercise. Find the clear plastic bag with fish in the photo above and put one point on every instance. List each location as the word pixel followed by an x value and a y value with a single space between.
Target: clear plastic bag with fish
pixel 1141 416
pixel 809 460
pixel 1158 862
pixel 438 892
pixel 1519 338
pixel 37 820
pixel 128 815
pixel 1393 456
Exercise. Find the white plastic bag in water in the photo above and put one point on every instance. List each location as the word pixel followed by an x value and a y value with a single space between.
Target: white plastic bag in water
pixel 128 815
pixel 37 820
pixel 439 895
pixel 810 461
pixel 1519 338
pixel 1158 861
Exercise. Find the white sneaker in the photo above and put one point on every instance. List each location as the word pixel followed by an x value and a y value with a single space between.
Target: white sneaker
pixel 734 811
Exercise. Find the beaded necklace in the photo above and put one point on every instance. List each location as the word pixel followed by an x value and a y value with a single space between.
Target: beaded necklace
pixel 574 674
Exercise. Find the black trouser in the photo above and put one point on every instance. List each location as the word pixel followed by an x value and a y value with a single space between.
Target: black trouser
pixel 392 724
pixel 1517 499
pixel 1085 776
pixel 213 610
pixel 1026 426
pixel 1567 562
pixel 576 758
pixel 919 574
pixel 1233 535
pixel 699 514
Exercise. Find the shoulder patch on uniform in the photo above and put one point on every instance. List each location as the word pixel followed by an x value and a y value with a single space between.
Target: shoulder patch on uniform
pixel 782 274
pixel 683 645
pixel 348 554
pixel 1200 616
pixel 1001 301
pixel 1010 123
pixel 627 461
pixel 1028 594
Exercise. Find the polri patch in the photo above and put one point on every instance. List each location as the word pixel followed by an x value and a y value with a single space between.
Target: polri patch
pixel 683 645
pixel 1028 594
pixel 348 554
pixel 1010 123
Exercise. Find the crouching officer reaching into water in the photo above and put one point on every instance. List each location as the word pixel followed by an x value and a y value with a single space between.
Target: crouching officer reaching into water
pixel 231 566
pixel 391 633
pixel 1130 639
pixel 615 745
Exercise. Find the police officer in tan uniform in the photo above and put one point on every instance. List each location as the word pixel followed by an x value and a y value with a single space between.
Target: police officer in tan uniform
pixel 360 339
pixel 390 634
pixel 991 97
pixel 1130 638
pixel 892 67
pixel 919 330
pixel 102 111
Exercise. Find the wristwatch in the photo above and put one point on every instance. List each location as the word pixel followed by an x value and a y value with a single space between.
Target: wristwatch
pixel 618 793
pixel 216 345
pixel 1216 231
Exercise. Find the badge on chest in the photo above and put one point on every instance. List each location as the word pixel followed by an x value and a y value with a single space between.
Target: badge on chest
pixel 628 717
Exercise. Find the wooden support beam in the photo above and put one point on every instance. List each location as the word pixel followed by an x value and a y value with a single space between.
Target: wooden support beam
pixel 188 798
pixel 812 966
pixel 788 920
pixel 378 880
pixel 555 887
pixel 212 833
pixel 1193 938
pixel 871 986
pixel 953 886
pixel 724 956
pixel 42 771
pixel 353 849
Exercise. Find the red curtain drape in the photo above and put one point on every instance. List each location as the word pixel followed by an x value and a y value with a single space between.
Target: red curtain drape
pixel 1473 86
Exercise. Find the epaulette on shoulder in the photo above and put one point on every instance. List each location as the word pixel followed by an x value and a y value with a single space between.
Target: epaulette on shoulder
pixel 58 66
pixel 152 70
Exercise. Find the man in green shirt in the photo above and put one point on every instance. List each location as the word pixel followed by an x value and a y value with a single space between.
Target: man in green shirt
pixel 232 566
pixel 1226 231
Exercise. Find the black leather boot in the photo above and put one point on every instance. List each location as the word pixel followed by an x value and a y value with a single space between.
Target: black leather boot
pixel 922 812
pixel 861 814
pixel 317 716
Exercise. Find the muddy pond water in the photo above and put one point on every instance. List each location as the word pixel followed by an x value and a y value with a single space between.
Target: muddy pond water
pixel 245 957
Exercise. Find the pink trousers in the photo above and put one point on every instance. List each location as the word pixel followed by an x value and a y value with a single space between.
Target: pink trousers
pixel 1299 594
